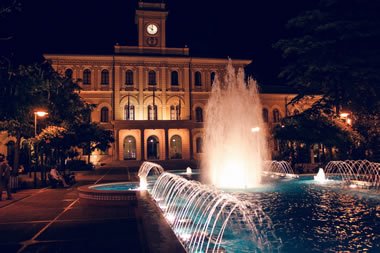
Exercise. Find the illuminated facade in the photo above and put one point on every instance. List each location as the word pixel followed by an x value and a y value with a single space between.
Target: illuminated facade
pixel 153 97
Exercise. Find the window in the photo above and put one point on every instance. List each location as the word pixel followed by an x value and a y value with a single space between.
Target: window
pixel 175 112
pixel 129 112
pixel 152 112
pixel 105 76
pixel 129 77
pixel 296 112
pixel 276 116
pixel 174 78
pixel 152 77
pixel 69 73
pixel 199 114
pixel 198 78
pixel 104 114
pixel 265 115
pixel 199 145
pixel 87 76
pixel 176 147
pixel 212 77
pixel 129 148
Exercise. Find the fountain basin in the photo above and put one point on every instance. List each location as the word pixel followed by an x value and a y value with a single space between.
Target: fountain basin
pixel 123 193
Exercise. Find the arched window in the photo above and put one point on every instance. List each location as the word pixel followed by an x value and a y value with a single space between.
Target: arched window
pixel 153 147
pixel 265 115
pixel 152 112
pixel 198 78
pixel 129 77
pixel 276 116
pixel 69 73
pixel 105 77
pixel 129 112
pixel 175 112
pixel 129 148
pixel 152 77
pixel 212 77
pixel 104 114
pixel 199 145
pixel 296 112
pixel 174 78
pixel 199 114
pixel 176 147
pixel 87 76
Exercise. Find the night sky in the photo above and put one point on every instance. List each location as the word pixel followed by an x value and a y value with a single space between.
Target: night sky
pixel 243 29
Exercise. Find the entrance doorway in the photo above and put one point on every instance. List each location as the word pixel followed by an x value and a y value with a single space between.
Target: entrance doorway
pixel 153 150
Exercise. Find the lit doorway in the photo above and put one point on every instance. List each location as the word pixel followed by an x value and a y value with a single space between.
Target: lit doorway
pixel 153 150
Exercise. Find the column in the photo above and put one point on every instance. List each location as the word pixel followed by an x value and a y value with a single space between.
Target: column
pixel 166 144
pixel 116 91
pixel 187 90
pixel 141 92
pixel 191 144
pixel 116 145
pixel 142 144
pixel 163 86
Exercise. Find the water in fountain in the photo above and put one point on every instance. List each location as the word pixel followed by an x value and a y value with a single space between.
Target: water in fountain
pixel 235 140
pixel 144 170
pixel 202 216
pixel 321 176
pixel 279 169
pixel 189 171
pixel 356 172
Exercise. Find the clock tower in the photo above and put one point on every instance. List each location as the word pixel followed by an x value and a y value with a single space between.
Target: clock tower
pixel 151 22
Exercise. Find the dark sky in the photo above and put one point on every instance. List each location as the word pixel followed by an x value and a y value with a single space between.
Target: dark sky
pixel 236 28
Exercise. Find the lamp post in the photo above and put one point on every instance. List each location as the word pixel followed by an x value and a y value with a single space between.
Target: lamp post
pixel 36 115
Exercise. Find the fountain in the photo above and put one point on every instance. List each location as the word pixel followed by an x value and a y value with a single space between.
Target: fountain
pixel 355 173
pixel 189 171
pixel 278 169
pixel 320 177
pixel 235 143
pixel 144 170
pixel 201 215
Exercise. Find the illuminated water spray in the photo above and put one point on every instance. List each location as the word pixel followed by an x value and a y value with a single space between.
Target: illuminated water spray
pixel 235 141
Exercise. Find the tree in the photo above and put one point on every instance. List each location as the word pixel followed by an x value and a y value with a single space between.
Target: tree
pixel 333 52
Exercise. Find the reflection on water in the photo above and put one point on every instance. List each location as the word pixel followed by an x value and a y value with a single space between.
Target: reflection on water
pixel 313 218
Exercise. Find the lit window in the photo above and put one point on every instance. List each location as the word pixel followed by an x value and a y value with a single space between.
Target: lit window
pixel 152 112
pixel 130 112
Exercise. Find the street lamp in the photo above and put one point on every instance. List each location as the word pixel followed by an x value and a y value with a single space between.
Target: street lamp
pixel 36 115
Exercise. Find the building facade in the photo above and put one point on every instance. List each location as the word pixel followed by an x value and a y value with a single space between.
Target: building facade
pixel 153 97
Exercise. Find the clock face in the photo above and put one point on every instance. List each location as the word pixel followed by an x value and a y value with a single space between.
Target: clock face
pixel 152 29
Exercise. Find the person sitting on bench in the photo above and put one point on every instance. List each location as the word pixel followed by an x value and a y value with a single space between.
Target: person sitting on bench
pixel 56 176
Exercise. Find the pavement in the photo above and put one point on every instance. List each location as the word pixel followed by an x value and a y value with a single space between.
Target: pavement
pixel 57 220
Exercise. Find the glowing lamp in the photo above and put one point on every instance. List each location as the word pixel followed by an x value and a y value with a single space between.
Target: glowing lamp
pixel 255 129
